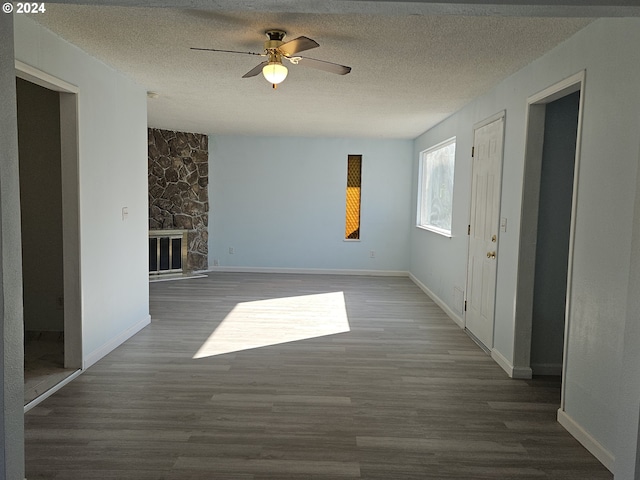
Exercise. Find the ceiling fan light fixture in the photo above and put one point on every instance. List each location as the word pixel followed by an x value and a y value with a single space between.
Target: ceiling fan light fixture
pixel 275 72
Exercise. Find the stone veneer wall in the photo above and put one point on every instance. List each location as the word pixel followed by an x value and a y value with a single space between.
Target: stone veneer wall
pixel 178 192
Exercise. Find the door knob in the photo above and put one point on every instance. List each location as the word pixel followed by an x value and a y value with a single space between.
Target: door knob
pixel 491 254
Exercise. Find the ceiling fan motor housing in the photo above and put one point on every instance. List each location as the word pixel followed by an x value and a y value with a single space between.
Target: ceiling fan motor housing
pixel 276 38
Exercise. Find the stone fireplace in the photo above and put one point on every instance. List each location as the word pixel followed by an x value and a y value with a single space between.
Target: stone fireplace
pixel 178 190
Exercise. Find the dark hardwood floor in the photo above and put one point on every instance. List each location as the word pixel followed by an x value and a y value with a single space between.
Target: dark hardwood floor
pixel 260 376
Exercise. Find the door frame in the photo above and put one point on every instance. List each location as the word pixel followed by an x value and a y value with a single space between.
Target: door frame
pixel 69 151
pixel 536 109
pixel 501 115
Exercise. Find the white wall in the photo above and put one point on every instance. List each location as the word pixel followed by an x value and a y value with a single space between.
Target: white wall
pixel 280 203
pixel 113 174
pixel 608 50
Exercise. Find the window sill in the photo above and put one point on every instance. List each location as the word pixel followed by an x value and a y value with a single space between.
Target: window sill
pixel 439 231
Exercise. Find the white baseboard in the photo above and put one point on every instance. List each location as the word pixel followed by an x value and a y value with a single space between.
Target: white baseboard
pixel 310 271
pixel 111 345
pixel 172 277
pixel 523 373
pixel 554 369
pixel 453 315
pixel 597 450
pixel 513 372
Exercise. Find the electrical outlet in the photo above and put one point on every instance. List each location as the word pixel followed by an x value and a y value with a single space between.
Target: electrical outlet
pixel 372 254
pixel 231 250
pixel 215 262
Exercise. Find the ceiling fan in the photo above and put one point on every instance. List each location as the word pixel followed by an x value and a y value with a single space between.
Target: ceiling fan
pixel 275 49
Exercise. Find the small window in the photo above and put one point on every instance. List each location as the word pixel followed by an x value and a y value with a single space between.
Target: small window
pixel 354 182
pixel 435 191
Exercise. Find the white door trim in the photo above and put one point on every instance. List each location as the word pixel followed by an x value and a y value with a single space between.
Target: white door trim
pixel 33 75
pixel 502 114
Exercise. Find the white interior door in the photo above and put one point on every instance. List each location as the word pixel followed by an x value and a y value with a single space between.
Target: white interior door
pixel 483 230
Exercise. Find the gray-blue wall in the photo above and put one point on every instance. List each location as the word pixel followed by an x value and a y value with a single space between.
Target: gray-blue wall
pixel 279 202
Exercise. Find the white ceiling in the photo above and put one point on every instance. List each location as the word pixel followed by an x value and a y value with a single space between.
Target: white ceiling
pixel 410 71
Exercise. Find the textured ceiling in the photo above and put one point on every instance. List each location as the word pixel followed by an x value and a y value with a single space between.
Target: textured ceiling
pixel 409 71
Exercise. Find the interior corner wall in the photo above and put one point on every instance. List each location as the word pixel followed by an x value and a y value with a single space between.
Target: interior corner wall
pixel 279 202
pixel 12 348
pixel 112 176
pixel 607 50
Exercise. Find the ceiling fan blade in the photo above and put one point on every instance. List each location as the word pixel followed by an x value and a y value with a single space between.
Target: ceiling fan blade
pixel 322 65
pixel 227 51
pixel 296 45
pixel 257 70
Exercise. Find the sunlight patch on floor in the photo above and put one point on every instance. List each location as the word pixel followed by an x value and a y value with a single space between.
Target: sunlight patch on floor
pixel 279 320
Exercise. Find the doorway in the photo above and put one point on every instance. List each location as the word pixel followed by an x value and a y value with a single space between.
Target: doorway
pixel 552 245
pixel 47 148
pixel 546 229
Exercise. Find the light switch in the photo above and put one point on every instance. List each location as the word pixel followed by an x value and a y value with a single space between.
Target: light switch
pixel 503 224
pixel 125 213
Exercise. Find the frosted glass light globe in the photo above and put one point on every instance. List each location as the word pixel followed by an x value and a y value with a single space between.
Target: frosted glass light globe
pixel 274 72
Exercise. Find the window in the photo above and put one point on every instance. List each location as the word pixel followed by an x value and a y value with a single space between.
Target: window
pixel 354 181
pixel 435 191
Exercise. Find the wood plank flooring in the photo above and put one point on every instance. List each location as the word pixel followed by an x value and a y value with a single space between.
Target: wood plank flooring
pixel 400 393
